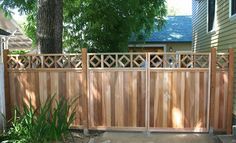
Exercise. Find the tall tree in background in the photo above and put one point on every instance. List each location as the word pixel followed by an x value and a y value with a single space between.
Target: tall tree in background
pixel 49 26
pixel 48 15
pixel 100 25
pixel 107 25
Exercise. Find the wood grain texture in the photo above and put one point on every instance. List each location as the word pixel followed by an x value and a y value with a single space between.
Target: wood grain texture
pixel 177 100
pixel 230 91
pixel 7 86
pixel 35 87
pixel 118 99
pixel 220 101
pixel 143 99
pixel 213 86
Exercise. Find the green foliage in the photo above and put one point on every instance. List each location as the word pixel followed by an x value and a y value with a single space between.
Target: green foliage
pixel 28 7
pixel 44 124
pixel 18 52
pixel 24 6
pixel 100 25
pixel 30 27
pixel 106 25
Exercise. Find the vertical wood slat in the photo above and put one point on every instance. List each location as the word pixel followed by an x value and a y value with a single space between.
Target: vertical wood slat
pixel 230 91
pixel 182 93
pixel 213 85
pixel 7 85
pixel 208 92
pixel 122 99
pixel 217 101
pixel 84 86
pixel 184 105
pixel 134 99
pixel 147 105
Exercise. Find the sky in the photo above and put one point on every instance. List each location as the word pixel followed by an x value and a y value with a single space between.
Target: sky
pixel 180 7
pixel 20 19
pixel 175 7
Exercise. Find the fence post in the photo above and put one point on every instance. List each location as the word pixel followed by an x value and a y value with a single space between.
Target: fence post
pixel 213 86
pixel 230 91
pixel 6 85
pixel 84 84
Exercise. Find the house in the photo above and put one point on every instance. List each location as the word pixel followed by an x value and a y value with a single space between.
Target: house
pixel 176 35
pixel 17 40
pixel 3 34
pixel 214 25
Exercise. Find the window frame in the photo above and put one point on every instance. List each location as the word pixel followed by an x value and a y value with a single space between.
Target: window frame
pixel 231 16
pixel 214 21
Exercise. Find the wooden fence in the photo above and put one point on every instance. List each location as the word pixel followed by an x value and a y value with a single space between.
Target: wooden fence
pixel 129 91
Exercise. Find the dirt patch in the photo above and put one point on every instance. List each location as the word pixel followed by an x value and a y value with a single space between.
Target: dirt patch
pixel 78 136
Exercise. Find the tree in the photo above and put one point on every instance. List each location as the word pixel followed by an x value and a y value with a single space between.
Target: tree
pixel 104 25
pixel 107 25
pixel 49 26
pixel 49 16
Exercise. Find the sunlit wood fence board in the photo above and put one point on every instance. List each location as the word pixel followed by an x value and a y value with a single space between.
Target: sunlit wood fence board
pixel 220 103
pixel 176 100
pixel 35 87
pixel 117 99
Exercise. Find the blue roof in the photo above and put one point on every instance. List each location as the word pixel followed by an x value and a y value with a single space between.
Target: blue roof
pixel 176 29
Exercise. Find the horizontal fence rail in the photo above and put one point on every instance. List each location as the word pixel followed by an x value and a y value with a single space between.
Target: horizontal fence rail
pixel 181 91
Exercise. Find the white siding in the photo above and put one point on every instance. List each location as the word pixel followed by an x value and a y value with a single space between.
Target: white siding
pixel 2 97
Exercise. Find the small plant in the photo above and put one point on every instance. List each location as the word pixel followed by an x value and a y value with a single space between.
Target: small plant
pixel 19 52
pixel 44 124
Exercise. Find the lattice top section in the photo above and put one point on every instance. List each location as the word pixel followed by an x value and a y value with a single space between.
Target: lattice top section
pixel 121 60
pixel 116 60
pixel 179 60
pixel 44 61
pixel 152 60
pixel 222 61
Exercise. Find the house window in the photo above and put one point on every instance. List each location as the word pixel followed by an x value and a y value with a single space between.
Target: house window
pixel 211 14
pixel 232 8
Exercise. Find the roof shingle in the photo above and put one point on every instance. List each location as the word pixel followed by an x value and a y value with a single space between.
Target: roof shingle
pixel 176 29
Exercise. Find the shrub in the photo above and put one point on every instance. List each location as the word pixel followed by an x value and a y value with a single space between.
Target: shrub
pixel 44 124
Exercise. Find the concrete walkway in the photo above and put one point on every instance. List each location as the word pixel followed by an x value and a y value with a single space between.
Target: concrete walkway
pixel 123 137
pixel 227 139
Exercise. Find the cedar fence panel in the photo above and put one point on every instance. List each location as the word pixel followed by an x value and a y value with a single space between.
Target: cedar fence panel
pixel 178 100
pixel 36 86
pixel 117 99
pixel 128 91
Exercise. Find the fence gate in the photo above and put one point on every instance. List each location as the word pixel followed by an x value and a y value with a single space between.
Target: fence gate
pixel 117 91
pixel 149 91
pixel 178 92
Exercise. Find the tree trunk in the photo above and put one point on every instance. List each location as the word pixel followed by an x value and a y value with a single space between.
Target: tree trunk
pixel 49 26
